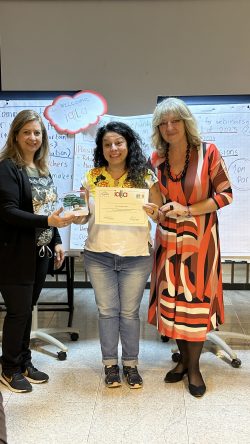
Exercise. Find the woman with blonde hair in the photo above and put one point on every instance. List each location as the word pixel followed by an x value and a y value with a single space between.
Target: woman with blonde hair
pixel 186 299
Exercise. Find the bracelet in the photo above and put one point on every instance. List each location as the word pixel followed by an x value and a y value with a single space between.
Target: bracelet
pixel 189 214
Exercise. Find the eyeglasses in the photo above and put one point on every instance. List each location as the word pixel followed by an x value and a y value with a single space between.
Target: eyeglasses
pixel 173 122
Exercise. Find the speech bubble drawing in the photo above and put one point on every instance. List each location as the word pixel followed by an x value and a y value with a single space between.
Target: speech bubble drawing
pixel 239 172
pixel 72 114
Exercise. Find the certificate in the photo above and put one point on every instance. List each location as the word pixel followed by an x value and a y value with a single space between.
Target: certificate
pixel 121 206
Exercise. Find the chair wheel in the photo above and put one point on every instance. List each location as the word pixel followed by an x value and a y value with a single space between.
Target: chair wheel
pixel 61 355
pixel 236 363
pixel 74 336
pixel 164 338
pixel 176 357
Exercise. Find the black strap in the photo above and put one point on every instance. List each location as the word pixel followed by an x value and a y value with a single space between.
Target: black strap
pixel 204 148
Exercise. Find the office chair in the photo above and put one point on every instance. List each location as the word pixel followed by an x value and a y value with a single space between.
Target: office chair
pixel 44 334
pixel 216 338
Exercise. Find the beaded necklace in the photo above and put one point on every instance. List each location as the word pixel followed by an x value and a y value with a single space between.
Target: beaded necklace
pixel 183 172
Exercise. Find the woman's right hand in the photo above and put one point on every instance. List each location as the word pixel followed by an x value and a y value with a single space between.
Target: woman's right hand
pixel 81 220
pixel 152 210
pixel 55 220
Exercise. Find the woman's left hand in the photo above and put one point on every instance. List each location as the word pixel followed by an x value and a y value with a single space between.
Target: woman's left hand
pixel 173 209
pixel 59 256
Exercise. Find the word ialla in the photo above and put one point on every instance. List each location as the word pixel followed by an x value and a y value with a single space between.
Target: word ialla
pixel 120 193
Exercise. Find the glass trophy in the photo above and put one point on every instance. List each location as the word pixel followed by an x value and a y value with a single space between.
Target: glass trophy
pixel 75 202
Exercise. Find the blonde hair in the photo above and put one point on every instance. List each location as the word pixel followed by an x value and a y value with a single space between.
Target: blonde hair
pixel 11 149
pixel 180 110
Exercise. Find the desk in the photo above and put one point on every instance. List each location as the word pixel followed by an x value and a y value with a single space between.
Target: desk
pixel 68 269
pixel 232 285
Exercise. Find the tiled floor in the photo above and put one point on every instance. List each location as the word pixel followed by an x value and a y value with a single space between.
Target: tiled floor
pixel 76 408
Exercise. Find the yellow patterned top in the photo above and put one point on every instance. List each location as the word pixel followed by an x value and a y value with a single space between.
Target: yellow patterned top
pixel 100 177
pixel 120 240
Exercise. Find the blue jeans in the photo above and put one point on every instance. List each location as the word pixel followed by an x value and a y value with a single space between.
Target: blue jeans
pixel 118 283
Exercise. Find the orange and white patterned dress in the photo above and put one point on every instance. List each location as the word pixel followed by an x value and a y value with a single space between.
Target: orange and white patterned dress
pixel 186 297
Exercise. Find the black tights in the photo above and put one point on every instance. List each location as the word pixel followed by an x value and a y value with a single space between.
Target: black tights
pixel 190 359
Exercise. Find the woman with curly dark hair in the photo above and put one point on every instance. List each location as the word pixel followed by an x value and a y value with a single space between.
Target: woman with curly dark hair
pixel 118 259
pixel 136 165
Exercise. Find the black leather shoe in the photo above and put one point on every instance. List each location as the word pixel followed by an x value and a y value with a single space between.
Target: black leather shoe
pixel 173 376
pixel 197 391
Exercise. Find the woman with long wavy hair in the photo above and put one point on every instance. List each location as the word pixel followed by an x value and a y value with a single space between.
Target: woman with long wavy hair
pixel 118 259
pixel 28 239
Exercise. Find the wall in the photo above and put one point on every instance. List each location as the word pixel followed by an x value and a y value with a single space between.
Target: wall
pixel 129 51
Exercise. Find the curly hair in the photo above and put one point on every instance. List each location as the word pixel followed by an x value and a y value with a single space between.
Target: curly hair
pixel 11 149
pixel 180 110
pixel 136 162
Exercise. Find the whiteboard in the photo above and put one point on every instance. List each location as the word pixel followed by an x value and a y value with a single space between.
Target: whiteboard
pixel 223 120
pixel 228 127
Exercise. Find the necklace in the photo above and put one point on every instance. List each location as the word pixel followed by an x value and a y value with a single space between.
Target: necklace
pixel 183 172
pixel 116 180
